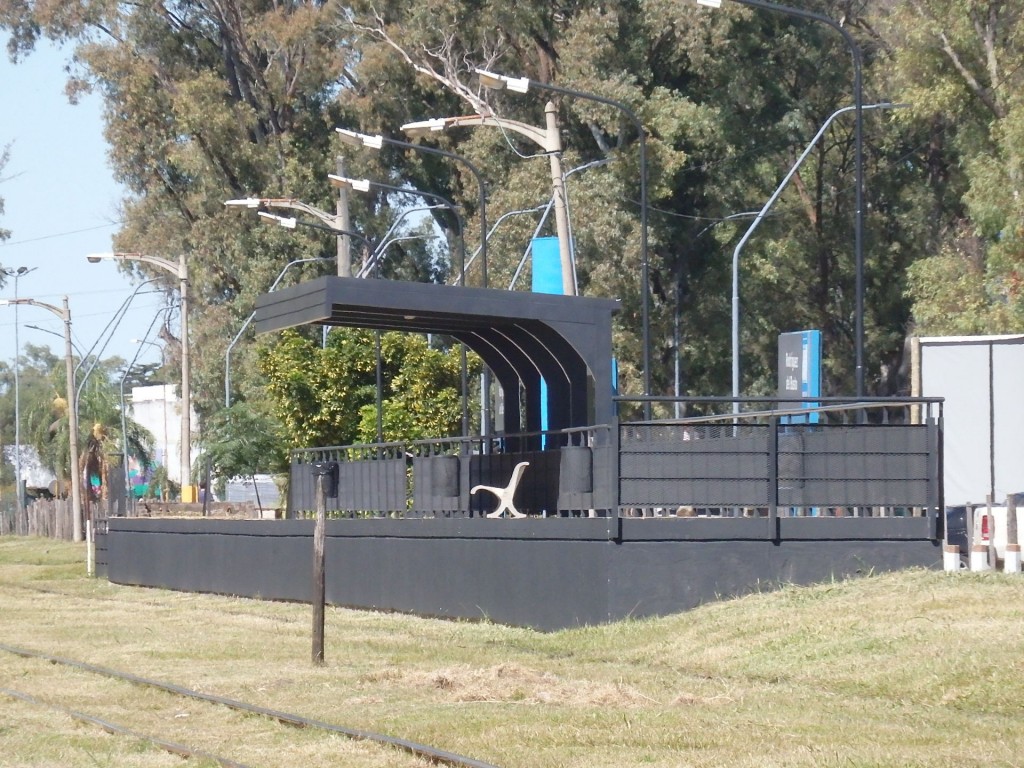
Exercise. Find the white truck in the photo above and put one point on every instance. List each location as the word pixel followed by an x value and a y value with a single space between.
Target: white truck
pixel 990 528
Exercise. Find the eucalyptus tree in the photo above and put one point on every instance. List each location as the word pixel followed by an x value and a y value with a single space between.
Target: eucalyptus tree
pixel 219 99
pixel 959 63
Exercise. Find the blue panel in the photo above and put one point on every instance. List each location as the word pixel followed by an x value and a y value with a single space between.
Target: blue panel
pixel 547 266
pixel 547 278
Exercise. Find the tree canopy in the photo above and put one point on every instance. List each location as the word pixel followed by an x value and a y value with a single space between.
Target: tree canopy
pixel 220 99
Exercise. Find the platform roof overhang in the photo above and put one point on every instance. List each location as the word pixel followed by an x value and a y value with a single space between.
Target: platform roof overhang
pixel 522 337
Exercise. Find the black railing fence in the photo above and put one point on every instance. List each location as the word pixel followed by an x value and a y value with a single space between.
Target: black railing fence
pixel 827 458
pixel 434 478
pixel 759 457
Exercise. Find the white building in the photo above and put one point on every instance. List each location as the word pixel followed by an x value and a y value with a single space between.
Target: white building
pixel 158 409
pixel 33 472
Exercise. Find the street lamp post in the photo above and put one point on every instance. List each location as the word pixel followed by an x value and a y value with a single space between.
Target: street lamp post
pixel 364 185
pixel 858 150
pixel 180 270
pixel 336 222
pixel 356 139
pixel 522 85
pixel 750 231
pixel 19 499
pixel 549 140
pixel 69 368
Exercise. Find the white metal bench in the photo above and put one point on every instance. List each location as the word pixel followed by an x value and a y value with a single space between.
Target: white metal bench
pixel 506 495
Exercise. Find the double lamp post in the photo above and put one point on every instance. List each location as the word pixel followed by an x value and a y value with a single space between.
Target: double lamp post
pixel 64 313
pixel 180 270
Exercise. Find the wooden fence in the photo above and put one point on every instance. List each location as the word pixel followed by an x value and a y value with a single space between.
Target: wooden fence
pixel 51 518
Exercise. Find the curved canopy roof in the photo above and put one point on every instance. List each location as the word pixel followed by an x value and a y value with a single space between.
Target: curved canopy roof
pixel 522 337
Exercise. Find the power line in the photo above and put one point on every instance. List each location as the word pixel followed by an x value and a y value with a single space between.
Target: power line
pixel 9 243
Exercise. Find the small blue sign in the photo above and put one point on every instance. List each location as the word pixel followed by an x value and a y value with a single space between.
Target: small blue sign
pixel 800 371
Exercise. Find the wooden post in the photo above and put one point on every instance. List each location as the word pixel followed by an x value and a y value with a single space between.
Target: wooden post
pixel 324 472
pixel 915 379
pixel 319 587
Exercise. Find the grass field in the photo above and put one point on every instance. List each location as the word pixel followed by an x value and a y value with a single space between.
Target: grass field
pixel 910 669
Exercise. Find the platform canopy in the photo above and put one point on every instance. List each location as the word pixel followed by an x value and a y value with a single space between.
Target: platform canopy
pixel 522 337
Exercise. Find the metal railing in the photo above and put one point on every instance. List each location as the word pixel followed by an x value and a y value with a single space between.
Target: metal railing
pixel 434 477
pixel 830 458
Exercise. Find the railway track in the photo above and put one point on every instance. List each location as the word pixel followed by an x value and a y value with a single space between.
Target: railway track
pixel 423 751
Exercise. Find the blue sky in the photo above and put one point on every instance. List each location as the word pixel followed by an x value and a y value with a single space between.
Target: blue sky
pixel 61 203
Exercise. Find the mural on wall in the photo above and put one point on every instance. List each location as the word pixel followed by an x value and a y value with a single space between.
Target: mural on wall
pixel 143 481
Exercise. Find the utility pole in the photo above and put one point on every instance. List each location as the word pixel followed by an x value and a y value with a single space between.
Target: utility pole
pixel 344 223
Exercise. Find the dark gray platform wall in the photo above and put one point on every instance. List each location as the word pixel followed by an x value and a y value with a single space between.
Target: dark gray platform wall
pixel 678 576
pixel 541 584
pixel 545 574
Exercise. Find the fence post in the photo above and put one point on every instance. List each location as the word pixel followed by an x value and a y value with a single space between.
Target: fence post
pixel 326 474
pixel 773 477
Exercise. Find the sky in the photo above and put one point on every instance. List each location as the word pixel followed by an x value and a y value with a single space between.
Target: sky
pixel 60 204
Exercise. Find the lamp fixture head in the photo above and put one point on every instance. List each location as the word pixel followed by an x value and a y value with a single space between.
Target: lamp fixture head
pixel 283 221
pixel 343 182
pixel 245 202
pixel 355 139
pixel 423 127
pixel 498 82
pixel 710 3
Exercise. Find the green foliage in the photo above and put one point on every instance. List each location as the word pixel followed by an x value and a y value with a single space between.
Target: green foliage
pixel 43 405
pixel 959 63
pixel 204 105
pixel 327 395
pixel 241 441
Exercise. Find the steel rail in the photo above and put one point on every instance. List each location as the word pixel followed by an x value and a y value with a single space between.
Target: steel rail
pixel 424 751
pixel 182 750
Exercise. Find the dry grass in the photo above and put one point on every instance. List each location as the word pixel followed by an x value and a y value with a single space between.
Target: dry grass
pixel 910 669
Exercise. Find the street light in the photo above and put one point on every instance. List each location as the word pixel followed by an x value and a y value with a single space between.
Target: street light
pixel 334 221
pixel 364 185
pixel 180 270
pixel 69 367
pixel 355 139
pixel 19 500
pixel 496 81
pixel 858 150
pixel 750 231
pixel 549 140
